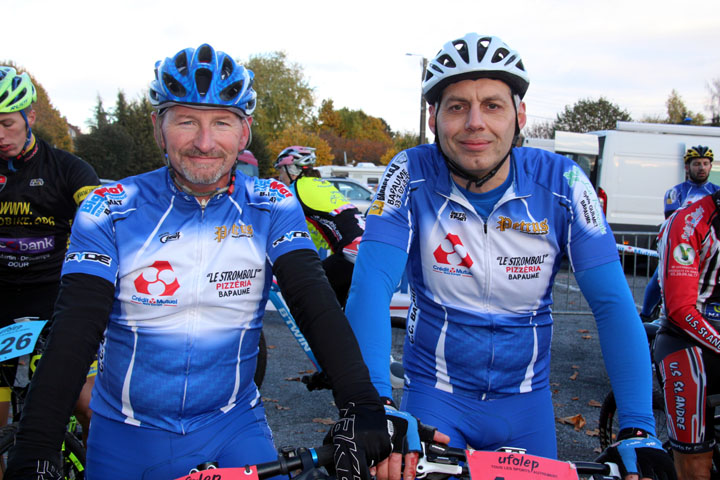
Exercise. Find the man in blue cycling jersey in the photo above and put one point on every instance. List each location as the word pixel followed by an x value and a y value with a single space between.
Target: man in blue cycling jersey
pixel 169 271
pixel 482 228
pixel 698 163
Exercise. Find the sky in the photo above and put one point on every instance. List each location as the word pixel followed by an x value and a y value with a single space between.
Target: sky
pixel 632 52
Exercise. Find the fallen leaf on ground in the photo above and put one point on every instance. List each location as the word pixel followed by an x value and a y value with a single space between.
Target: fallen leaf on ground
pixel 280 407
pixel 594 403
pixel 574 375
pixel 583 330
pixel 592 433
pixel 575 398
pixel 586 337
pixel 324 421
pixel 554 384
pixel 264 399
pixel 575 367
pixel 306 371
pixel 577 421
pixel 292 379
pixel 271 347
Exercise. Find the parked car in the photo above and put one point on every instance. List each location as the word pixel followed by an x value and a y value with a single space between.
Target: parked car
pixel 357 193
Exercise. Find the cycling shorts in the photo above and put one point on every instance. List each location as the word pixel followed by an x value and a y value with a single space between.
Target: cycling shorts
pixel 523 420
pixel 689 373
pixel 118 451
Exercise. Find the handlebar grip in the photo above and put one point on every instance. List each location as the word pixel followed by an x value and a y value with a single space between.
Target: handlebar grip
pixel 319 457
pixel 325 455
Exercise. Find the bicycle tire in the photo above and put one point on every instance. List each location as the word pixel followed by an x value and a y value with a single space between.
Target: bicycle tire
pixel 73 457
pixel 609 427
pixel 261 365
pixel 73 452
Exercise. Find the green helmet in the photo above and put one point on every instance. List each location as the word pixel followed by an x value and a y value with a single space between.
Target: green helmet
pixel 16 91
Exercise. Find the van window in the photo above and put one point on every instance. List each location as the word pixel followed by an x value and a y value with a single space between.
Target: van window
pixel 587 162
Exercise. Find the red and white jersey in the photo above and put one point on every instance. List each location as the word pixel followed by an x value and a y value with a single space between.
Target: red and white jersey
pixel 689 270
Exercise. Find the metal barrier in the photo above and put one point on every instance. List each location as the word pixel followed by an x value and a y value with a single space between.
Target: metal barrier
pixel 639 261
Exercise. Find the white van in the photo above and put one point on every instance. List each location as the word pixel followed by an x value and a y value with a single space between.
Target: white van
pixel 633 166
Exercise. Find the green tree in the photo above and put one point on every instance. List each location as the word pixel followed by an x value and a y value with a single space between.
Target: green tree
pixel 679 113
pixel 544 129
pixel 588 115
pixel 121 143
pixel 401 141
pixel 50 125
pixel 284 97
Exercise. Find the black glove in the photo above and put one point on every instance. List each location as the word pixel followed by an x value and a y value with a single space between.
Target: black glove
pixel 33 470
pixel 638 452
pixel 361 440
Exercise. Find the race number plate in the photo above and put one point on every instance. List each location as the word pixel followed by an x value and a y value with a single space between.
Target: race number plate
pixel 517 466
pixel 247 473
pixel 19 338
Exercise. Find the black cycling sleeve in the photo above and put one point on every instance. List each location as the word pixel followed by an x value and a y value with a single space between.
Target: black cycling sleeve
pixel 79 320
pixel 313 304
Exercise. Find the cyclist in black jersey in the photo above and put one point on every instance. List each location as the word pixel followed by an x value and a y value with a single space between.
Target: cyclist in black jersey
pixel 334 223
pixel 40 189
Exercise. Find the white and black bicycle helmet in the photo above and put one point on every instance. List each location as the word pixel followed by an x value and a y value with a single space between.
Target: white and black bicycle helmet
pixel 295 159
pixel 474 56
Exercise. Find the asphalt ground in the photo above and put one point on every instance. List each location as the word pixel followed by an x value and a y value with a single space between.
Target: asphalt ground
pixel 578 380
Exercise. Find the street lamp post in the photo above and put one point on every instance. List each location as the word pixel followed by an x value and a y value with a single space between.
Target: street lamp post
pixel 423 104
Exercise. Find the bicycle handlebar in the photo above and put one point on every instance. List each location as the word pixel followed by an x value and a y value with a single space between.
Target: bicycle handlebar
pixel 437 462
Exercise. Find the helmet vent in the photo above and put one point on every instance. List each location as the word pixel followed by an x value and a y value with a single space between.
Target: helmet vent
pixel 482 47
pixel 203 79
pixel 446 61
pixel 499 55
pixel 181 63
pixel 227 68
pixel 3 97
pixel 205 54
pixel 462 50
pixel 230 92
pixel 173 85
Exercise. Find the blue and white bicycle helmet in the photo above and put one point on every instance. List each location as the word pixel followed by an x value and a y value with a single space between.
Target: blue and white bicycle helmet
pixel 471 57
pixel 203 77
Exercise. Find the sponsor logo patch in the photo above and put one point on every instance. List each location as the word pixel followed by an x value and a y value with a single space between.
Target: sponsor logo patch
pixel 96 203
pixel 452 252
pixel 235 231
pixel 272 189
pixel 684 254
pixel 691 221
pixel 100 258
pixel 289 237
pixel 531 228
pixel 157 280
pixel 376 208
pixel 27 245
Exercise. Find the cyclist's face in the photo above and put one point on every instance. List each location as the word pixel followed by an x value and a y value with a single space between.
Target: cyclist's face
pixel 202 145
pixel 699 169
pixel 13 132
pixel 475 125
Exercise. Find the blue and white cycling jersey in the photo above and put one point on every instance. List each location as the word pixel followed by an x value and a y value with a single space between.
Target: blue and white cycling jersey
pixel 190 289
pixel 480 320
pixel 686 193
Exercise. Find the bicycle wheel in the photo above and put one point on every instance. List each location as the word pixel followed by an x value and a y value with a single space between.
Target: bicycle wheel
pixel 261 361
pixel 396 354
pixel 73 454
pixel 609 425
